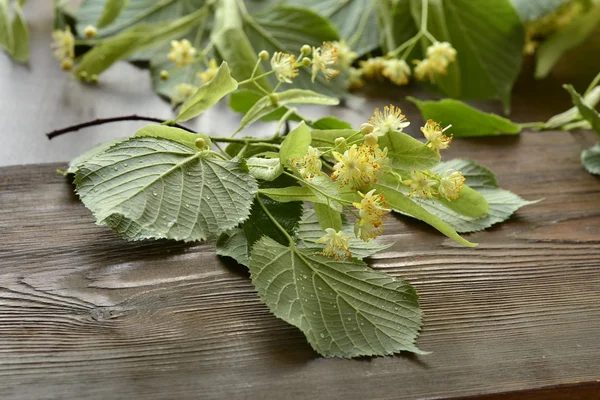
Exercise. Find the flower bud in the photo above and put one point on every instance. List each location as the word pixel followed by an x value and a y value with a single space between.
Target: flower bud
pixel 306 50
pixel 306 61
pixel 200 143
pixel 340 142
pixel 263 55
pixel 164 74
pixel 66 64
pixel 84 76
pixel 274 98
pixel 94 79
pixel 90 32
pixel 371 139
pixel 366 128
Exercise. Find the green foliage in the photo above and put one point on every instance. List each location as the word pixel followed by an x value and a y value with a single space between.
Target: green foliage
pixel 295 144
pixel 565 39
pixel 241 101
pixel 99 148
pixel 588 113
pixel 112 9
pixel 530 10
pixel 330 123
pixel 407 153
pixel 488 37
pixel 14 36
pixel 157 188
pixel 174 134
pixel 267 169
pixel 466 121
pixel 328 217
pixel 591 159
pixel 344 308
pixel 208 94
pixel 259 223
pixel 233 244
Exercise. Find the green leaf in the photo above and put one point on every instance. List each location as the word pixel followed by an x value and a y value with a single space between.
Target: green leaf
pixel 407 153
pixel 344 308
pixel 295 144
pixel 259 224
pixel 530 10
pixel 310 230
pixel 175 134
pixel 292 193
pixel 502 203
pixel 112 9
pixel 267 169
pixel 391 189
pixel 469 203
pixel 139 37
pixel 588 113
pixel 565 39
pixel 327 191
pixel 328 217
pixel 325 138
pixel 265 105
pixel 591 159
pixel 466 121
pixel 326 123
pixel 6 39
pixel 233 45
pixel 208 94
pixel 563 119
pixel 355 19
pixel 233 244
pixel 395 24
pixel 489 61
pixel 97 149
pixel 156 188
pixel 20 34
pixel 241 101
pixel 133 13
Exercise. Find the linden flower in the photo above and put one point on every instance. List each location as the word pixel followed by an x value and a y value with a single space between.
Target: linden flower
pixel 359 165
pixel 336 244
pixel 284 66
pixel 425 68
pixel 322 59
pixel 182 53
pixel 420 184
pixel 373 67
pixel 345 55
pixel 451 184
pixel 396 71
pixel 63 44
pixel 371 213
pixel 310 164
pixel 210 72
pixel 435 136
pixel 355 80
pixel 182 92
pixel 443 50
pixel 390 120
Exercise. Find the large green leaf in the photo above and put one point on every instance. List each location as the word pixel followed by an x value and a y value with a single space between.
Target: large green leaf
pixel 175 134
pixel 132 13
pixel 267 169
pixel 466 121
pixel 407 153
pixel 233 244
pixel 502 203
pixel 530 10
pixel 344 308
pixel 139 37
pixel 295 144
pixel 241 101
pixel 310 230
pixel 565 39
pixel 590 159
pixel 208 94
pixel 328 217
pixel 97 149
pixel 156 188
pixel 355 19
pixel 265 105
pixel 588 113
pixel 389 186
pixel 489 38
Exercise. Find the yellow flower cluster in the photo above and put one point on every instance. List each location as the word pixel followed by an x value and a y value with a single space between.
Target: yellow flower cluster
pixel 284 66
pixel 434 134
pixel 359 165
pixel 323 58
pixel 371 212
pixel 310 164
pixel 439 55
pixel 181 93
pixel 336 244
pixel 63 44
pixel 425 184
pixel 182 53
pixel 390 120
pixel 421 184
pixel 209 73
pixel 451 184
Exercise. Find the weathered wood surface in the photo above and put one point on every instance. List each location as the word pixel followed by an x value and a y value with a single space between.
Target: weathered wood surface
pixel 85 315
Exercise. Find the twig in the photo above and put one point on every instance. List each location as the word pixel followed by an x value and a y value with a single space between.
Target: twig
pixel 101 121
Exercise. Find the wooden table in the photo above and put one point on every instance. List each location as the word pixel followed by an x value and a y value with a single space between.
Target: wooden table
pixel 84 314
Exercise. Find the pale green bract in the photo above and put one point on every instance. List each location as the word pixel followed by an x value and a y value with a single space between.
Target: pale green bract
pixel 344 308
pixel 407 153
pixel 157 188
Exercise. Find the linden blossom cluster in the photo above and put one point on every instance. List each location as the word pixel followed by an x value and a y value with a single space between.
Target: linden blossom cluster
pixel 63 43
pixel 359 164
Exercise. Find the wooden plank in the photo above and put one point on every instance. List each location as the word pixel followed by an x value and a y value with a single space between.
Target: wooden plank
pixel 85 315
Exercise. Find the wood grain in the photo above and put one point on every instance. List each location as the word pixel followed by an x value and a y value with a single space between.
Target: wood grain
pixel 85 315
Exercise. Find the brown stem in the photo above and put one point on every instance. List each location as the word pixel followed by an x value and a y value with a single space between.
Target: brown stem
pixel 101 121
